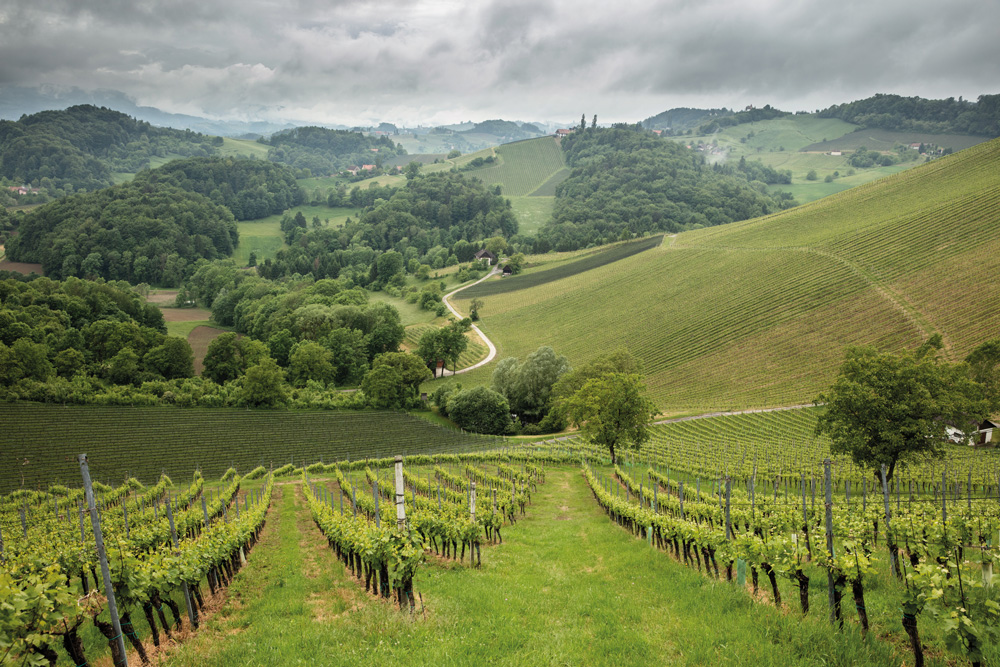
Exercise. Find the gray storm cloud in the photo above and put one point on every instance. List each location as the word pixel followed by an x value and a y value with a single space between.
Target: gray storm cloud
pixel 446 60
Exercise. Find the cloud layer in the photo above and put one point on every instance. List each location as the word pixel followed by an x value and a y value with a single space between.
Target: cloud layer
pixel 437 61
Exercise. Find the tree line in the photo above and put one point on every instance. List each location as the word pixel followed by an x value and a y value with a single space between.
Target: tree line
pixel 916 114
pixel 80 148
pixel 155 228
pixel 324 151
pixel 436 219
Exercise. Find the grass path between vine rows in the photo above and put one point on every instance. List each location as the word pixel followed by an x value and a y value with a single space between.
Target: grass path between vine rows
pixel 567 587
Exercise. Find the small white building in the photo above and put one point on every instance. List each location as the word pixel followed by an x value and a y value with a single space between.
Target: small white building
pixel 982 436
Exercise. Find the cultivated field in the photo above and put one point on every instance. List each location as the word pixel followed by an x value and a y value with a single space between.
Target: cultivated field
pixel 758 313
pixel 524 166
pixel 39 443
pixel 200 336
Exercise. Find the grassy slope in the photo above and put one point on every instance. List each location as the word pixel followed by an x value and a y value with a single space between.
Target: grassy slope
pixel 566 587
pixel 264 237
pixel 524 166
pixel 801 143
pixel 758 313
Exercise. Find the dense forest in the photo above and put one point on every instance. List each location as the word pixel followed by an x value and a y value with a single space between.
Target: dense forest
pixel 79 336
pixel 251 189
pixel 431 218
pixel 627 181
pixel 80 341
pixel 137 231
pixel 80 148
pixel 283 314
pixel 916 114
pixel 325 152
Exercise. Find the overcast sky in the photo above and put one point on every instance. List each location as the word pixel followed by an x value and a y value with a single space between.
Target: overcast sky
pixel 441 61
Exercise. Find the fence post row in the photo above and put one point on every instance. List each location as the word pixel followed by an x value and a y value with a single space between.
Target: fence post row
pixel 109 591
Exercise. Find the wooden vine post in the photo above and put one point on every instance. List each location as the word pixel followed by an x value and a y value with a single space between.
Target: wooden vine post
pixel 829 541
pixel 187 592
pixel 893 555
pixel 472 501
pixel 109 591
pixel 400 495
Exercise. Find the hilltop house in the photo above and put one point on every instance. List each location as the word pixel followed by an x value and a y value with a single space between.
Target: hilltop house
pixel 485 254
pixel 563 133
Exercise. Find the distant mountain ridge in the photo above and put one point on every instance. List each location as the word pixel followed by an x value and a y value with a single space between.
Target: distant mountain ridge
pixel 17 101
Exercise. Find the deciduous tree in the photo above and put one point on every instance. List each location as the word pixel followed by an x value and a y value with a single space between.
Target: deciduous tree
pixel 613 411
pixel 884 407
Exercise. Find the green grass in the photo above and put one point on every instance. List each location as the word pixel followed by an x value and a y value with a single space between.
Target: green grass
pixel 409 313
pixel 806 191
pixel 243 148
pixel 41 442
pixel 566 587
pixel 791 133
pixel 184 329
pixel 264 236
pixel 524 166
pixel 532 212
pixel 886 140
pixel 758 313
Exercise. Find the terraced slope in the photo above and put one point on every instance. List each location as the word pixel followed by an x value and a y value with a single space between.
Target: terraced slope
pixel 758 313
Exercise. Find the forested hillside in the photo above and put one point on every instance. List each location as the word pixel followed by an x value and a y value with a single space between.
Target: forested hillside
pixel 67 340
pixel 251 189
pixel 137 231
pixel 324 151
pixel 81 147
pixel 627 181
pixel 894 112
pixel 438 214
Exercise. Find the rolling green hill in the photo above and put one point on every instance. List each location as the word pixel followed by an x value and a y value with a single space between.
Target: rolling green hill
pixel 524 166
pixel 759 312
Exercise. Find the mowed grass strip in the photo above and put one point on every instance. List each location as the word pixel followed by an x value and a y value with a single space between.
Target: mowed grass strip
pixel 566 587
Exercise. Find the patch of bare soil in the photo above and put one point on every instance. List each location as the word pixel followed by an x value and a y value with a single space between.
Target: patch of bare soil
pixel 199 339
pixel 21 267
pixel 162 298
pixel 186 314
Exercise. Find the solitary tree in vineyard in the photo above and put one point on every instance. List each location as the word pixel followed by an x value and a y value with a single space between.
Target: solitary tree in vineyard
pixel 885 407
pixel 613 411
